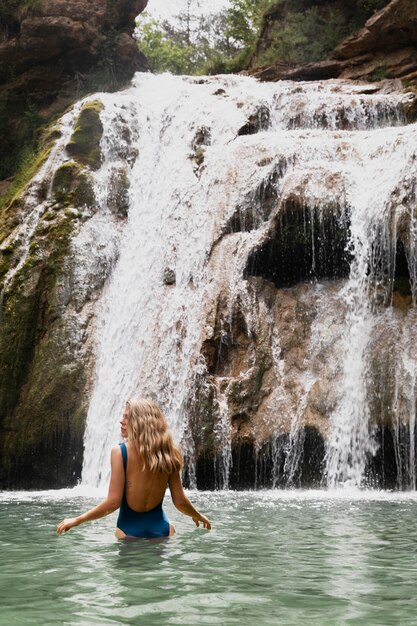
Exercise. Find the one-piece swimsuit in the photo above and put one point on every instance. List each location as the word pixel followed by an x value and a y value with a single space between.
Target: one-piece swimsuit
pixel 146 524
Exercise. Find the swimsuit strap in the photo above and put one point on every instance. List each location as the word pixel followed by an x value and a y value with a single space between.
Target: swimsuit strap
pixel 124 454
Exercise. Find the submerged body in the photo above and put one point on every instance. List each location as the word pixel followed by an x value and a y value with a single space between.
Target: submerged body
pixel 141 470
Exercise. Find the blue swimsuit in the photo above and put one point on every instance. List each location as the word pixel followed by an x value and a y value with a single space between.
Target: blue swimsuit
pixel 147 524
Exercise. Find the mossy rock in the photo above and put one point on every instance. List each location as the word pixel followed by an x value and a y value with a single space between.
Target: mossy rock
pixel 73 186
pixel 26 302
pixel 41 387
pixel 84 145
pixel 44 445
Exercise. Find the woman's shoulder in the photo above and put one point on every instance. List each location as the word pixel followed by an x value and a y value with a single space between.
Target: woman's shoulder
pixel 118 451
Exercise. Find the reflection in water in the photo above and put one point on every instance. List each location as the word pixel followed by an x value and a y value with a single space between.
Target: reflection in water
pixel 272 558
pixel 348 560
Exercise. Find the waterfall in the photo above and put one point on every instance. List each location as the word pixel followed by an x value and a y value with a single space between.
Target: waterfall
pixel 248 202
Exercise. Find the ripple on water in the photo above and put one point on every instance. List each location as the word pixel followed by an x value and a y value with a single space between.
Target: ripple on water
pixel 271 558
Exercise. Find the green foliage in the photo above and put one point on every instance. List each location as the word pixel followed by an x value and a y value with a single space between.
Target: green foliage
pixel 244 19
pixel 217 43
pixel 309 34
pixel 304 36
pixel 379 73
pixel 226 42
pixel 163 51
pixel 10 10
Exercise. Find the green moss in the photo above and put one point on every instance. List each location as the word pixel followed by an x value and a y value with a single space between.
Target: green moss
pixel 72 186
pixel 20 311
pixel 5 264
pixel 379 73
pixel 30 164
pixel 11 10
pixel 41 387
pixel 84 145
pixel 26 303
pixel 11 203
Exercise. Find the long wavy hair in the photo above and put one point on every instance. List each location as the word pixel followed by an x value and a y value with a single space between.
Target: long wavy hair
pixel 148 431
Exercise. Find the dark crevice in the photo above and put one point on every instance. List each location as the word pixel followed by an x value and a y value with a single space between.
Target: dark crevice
pixel 260 120
pixel 259 204
pixel 257 468
pixel 402 282
pixel 391 467
pixel 307 244
pixel 231 338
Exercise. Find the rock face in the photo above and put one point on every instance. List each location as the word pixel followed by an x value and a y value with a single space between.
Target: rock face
pixel 51 55
pixel 386 47
pixel 48 291
pixel 50 47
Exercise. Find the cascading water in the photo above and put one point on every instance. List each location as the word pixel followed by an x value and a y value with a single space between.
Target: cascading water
pixel 218 168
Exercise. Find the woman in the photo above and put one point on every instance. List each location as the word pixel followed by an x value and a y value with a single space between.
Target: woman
pixel 141 470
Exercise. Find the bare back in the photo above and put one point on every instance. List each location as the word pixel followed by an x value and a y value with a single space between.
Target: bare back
pixel 144 489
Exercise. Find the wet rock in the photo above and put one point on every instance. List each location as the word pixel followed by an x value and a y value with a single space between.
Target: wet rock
pixel 45 333
pixel 202 138
pixel 84 144
pixel 258 121
pixel 169 277
pixel 72 185
pixel 118 195
pixel 260 204
pixel 306 245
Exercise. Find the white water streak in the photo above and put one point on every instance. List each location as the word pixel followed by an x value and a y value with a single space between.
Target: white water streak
pixel 149 333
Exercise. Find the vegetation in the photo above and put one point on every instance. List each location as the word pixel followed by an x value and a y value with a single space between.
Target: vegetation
pixel 197 45
pixel 304 36
pixel 306 30
pixel 10 11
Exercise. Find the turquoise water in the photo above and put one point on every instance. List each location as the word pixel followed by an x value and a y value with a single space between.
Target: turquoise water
pixel 271 558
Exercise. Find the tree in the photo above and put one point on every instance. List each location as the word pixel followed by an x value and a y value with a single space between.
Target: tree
pixel 196 44
pixel 164 48
pixel 243 20
pixel 188 19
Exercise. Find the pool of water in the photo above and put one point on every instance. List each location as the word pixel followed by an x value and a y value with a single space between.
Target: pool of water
pixel 271 558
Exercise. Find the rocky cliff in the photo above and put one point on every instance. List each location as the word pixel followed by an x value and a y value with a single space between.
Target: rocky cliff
pixel 386 47
pixel 52 53
pixel 50 48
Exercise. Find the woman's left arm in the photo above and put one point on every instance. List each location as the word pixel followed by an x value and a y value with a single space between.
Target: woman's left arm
pixel 110 504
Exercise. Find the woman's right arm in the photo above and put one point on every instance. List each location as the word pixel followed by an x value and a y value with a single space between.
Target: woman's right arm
pixel 110 504
pixel 183 504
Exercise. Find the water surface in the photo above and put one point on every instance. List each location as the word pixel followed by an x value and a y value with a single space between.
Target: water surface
pixel 271 558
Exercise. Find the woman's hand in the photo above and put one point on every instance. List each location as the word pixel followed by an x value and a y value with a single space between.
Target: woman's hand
pixel 203 519
pixel 66 525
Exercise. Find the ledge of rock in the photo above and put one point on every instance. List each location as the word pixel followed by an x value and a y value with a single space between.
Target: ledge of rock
pixel 49 47
pixel 385 48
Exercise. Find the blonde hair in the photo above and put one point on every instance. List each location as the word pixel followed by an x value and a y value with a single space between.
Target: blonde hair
pixel 148 431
